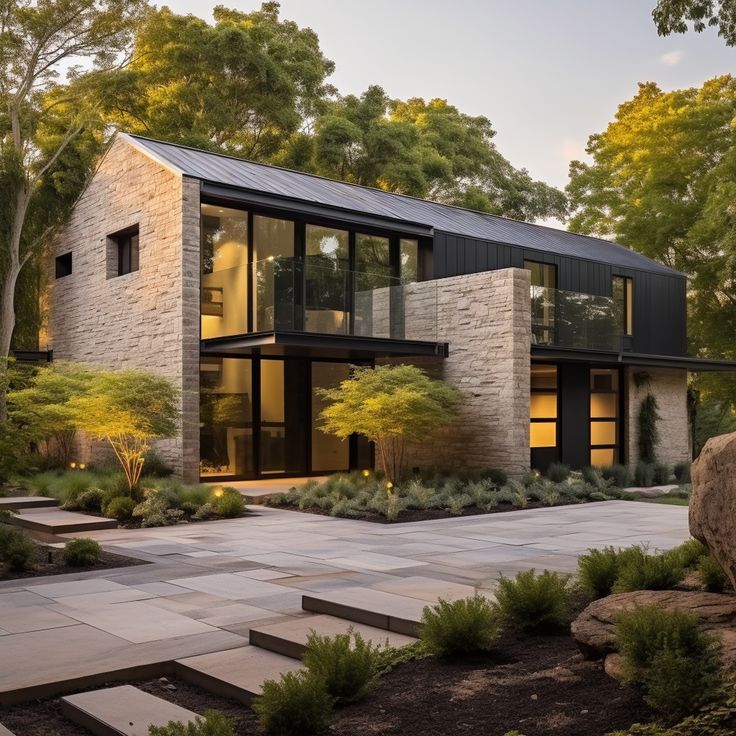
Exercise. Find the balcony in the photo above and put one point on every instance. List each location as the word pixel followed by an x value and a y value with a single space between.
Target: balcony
pixel 568 319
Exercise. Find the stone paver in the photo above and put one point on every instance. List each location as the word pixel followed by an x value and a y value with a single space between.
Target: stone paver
pixel 58 521
pixel 15 503
pixel 122 711
pixel 4 731
pixel 254 571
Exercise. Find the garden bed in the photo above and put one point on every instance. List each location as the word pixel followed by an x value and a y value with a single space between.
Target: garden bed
pixel 538 685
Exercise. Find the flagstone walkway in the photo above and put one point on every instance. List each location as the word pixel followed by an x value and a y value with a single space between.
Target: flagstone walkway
pixel 209 583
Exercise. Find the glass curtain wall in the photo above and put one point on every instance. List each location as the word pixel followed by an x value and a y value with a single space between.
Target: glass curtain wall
pixel 328 451
pixel 543 282
pixel 623 298
pixel 604 416
pixel 327 280
pixel 276 277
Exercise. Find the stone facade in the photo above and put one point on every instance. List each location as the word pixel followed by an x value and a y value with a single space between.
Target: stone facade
pixel 485 318
pixel 147 319
pixel 669 387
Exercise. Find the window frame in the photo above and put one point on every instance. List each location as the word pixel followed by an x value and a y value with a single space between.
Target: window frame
pixel 618 419
pixel 117 241
pixel 63 265
pixel 547 420
pixel 627 289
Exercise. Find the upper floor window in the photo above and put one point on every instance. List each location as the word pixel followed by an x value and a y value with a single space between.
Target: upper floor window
pixel 543 274
pixel 623 297
pixel 409 260
pixel 63 265
pixel 125 247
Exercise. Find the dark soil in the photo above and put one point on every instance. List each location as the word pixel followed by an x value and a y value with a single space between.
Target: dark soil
pixel 50 561
pixel 539 685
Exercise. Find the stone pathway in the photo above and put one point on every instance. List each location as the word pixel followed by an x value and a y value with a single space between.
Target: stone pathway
pixel 208 584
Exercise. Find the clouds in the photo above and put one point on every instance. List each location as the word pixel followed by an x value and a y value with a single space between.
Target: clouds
pixel 671 58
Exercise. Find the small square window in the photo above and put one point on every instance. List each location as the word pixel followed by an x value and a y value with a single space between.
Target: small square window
pixel 125 251
pixel 63 265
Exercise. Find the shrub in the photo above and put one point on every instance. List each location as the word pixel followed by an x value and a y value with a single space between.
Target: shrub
pixel 618 474
pixel 296 705
pixel 667 654
pixel 17 549
pixel 558 472
pixel 81 552
pixel 154 466
pixel 535 602
pixel 593 476
pixel 688 554
pixel 649 572
pixel 120 508
pixel 598 570
pixel 346 663
pixel 644 475
pixel 229 503
pixel 460 627
pixel 662 474
pixel 682 473
pixel 212 723
pixel 495 475
pixel 89 500
pixel 711 575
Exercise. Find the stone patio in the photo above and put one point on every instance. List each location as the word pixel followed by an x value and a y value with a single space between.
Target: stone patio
pixel 210 583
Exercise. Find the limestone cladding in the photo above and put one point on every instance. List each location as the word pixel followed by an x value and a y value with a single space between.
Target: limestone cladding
pixel 669 387
pixel 485 318
pixel 146 319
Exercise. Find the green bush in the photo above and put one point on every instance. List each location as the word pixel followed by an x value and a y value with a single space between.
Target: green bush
pixel 459 627
pixel 644 475
pixel 618 474
pixel 688 554
pixel 82 552
pixel 495 475
pixel 535 602
pixel 296 705
pixel 682 473
pixel 641 571
pixel 558 472
pixel 154 466
pixel 711 575
pixel 120 508
pixel 346 663
pixel 228 505
pixel 598 570
pixel 89 500
pixel 212 723
pixel 17 549
pixel 669 656
pixel 662 474
pixel 593 476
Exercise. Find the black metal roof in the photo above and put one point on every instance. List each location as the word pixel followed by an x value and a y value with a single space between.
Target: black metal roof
pixel 296 185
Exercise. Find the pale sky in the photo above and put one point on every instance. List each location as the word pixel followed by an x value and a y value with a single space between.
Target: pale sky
pixel 547 73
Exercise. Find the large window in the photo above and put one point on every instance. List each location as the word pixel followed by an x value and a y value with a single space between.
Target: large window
pixel 224 258
pixel 543 407
pixel 623 297
pixel 409 260
pixel 328 451
pixel 604 416
pixel 544 283
pixel 124 252
pixel 327 283
pixel 277 277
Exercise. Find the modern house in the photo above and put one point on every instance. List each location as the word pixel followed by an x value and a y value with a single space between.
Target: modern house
pixel 251 287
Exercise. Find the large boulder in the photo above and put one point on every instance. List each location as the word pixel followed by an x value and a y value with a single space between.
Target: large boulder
pixel 593 629
pixel 713 501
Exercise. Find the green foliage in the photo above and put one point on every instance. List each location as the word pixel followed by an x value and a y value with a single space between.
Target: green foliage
pixel 662 474
pixel 599 569
pixel 213 723
pixel 91 499
pixel 535 602
pixel 689 553
pixel 82 552
pixel 558 472
pixel 618 474
pixel 228 503
pixel 346 663
pixel 296 705
pixel 17 550
pixel 711 574
pixel 153 465
pixel 682 473
pixel 594 477
pixel 641 571
pixel 668 654
pixel 648 436
pixel 390 405
pixel 644 474
pixel 120 508
pixel 464 626
pixel 673 16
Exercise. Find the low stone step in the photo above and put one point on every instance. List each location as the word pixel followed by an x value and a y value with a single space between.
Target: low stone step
pixel 57 521
pixel 235 673
pixel 121 711
pixel 4 731
pixel 16 503
pixel 290 637
pixel 368 606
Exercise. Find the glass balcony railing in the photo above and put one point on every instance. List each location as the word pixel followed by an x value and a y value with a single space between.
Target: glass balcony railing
pixel 572 320
pixel 313 296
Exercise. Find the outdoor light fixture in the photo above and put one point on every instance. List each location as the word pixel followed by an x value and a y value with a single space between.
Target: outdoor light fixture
pixel 218 492
pixel 366 473
pixel 389 485
pixel 82 466
pixel 72 465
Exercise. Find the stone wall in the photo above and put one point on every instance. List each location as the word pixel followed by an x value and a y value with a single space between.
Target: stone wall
pixel 669 387
pixel 485 318
pixel 147 319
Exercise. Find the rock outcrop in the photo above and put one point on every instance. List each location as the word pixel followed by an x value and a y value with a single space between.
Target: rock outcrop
pixel 713 501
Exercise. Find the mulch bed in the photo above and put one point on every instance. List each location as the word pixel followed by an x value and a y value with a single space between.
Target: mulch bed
pixel 50 561
pixel 539 685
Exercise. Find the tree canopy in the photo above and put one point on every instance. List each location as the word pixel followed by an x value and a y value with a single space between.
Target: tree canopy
pixel 673 16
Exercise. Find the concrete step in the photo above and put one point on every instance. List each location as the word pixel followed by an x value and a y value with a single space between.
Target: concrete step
pixel 121 711
pixel 52 521
pixel 235 673
pixel 376 608
pixel 290 637
pixel 16 503
pixel 4 731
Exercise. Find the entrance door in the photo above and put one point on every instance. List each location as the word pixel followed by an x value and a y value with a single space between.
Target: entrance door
pixel 328 452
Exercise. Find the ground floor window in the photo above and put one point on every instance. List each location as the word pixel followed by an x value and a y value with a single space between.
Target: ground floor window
pixel 259 418
pixel 604 416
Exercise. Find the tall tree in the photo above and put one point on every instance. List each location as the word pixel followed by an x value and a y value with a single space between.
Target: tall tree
pixel 673 16
pixel 243 85
pixel 39 39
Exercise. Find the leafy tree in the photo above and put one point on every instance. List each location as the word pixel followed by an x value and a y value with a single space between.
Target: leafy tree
pixel 673 16
pixel 390 405
pixel 129 409
pixel 40 39
pixel 243 85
